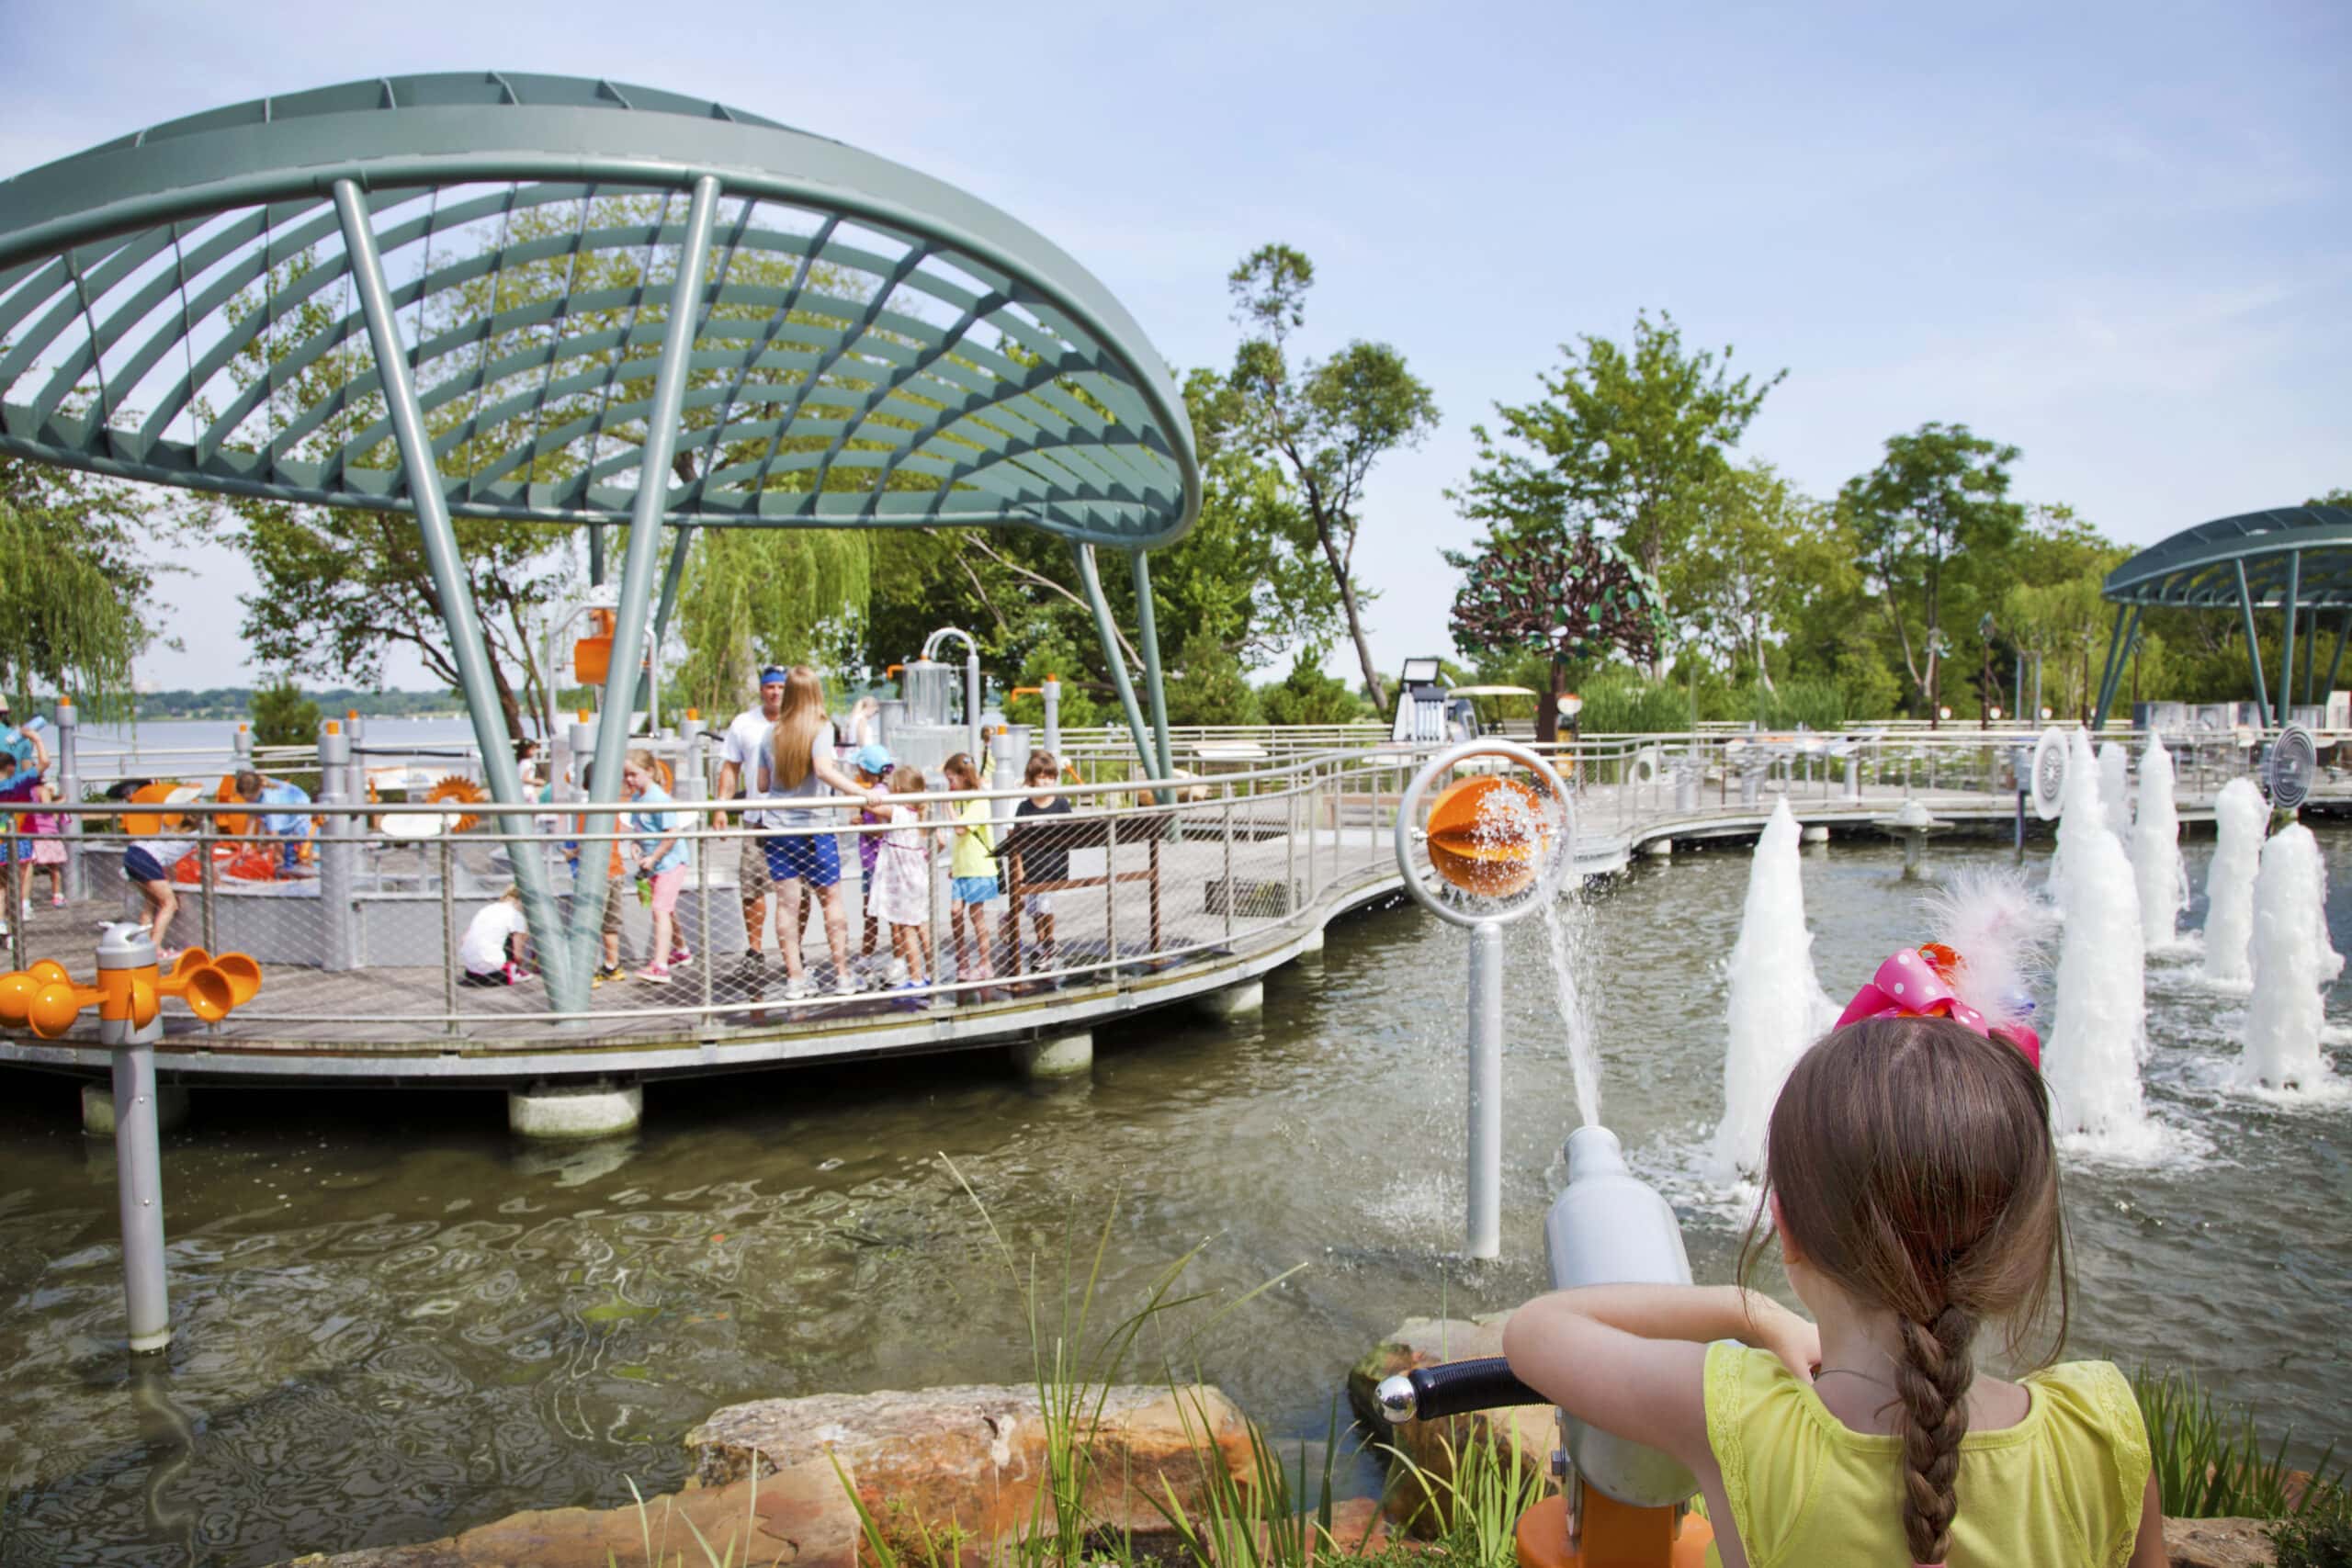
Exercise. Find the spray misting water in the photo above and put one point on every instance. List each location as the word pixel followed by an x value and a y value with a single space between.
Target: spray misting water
pixel 2155 850
pixel 2293 964
pixel 2115 787
pixel 1565 922
pixel 2241 814
pixel 1777 1005
pixel 2092 1058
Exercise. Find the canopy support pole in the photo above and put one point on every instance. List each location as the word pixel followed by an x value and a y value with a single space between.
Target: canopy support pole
pixel 2336 665
pixel 591 884
pixel 1113 657
pixel 458 616
pixel 2253 643
pixel 1148 629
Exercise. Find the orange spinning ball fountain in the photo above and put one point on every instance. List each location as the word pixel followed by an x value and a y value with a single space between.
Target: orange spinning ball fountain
pixel 49 1000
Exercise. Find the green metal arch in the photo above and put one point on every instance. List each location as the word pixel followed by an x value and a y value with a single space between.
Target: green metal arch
pixel 972 373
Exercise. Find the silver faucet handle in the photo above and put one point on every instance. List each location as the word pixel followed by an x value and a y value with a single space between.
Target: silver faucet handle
pixel 1397 1399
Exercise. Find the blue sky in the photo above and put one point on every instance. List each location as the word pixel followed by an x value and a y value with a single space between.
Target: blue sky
pixel 2116 236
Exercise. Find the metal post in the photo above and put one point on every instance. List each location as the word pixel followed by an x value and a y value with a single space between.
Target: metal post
pixel 1230 897
pixel 208 827
pixel 138 1153
pixel 452 587
pixel 337 852
pixel 1290 849
pixel 1052 692
pixel 703 942
pixel 2343 630
pixel 1111 893
pixel 69 789
pixel 591 887
pixel 2037 688
pixel 1486 1173
pixel 1113 657
pixel 972 690
pixel 241 745
pixel 449 923
pixel 1148 635
pixel 2287 654
pixel 2253 643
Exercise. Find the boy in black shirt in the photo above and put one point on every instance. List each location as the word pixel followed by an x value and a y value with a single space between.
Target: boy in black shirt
pixel 1046 863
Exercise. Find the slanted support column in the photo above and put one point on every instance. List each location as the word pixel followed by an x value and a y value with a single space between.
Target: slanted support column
pixel 2335 665
pixel 1147 632
pixel 450 585
pixel 2253 643
pixel 2127 623
pixel 1114 659
pixel 592 885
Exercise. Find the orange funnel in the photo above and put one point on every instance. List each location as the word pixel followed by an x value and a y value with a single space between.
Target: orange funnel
pixel 1487 835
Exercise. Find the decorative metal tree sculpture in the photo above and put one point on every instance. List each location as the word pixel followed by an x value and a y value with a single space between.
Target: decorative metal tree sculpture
pixel 1572 597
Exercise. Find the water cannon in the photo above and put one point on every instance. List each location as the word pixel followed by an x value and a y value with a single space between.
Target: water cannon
pixel 1623 1506
pixel 130 990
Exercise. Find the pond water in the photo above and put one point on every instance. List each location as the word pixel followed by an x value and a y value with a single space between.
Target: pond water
pixel 395 1322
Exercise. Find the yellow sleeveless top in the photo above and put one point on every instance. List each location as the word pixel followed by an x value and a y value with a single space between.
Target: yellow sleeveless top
pixel 2065 1486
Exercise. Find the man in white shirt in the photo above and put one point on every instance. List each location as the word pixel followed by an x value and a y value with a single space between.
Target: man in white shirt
pixel 738 757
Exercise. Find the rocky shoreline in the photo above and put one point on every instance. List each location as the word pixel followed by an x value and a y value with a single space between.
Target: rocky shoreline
pixel 965 1470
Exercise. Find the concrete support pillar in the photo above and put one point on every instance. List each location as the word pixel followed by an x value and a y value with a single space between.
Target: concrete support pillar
pixel 573 1111
pixel 1054 1055
pixel 1314 943
pixel 1817 834
pixel 1233 1001
pixel 97 1108
pixel 1659 847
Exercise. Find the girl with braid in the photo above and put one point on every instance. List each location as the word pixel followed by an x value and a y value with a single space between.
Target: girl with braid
pixel 1911 1182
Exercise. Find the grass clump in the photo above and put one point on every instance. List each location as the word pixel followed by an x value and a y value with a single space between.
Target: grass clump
pixel 2314 1542
pixel 2210 1462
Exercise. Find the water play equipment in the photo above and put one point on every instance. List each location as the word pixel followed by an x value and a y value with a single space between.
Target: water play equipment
pixel 1621 1505
pixel 1499 845
pixel 1776 1006
pixel 129 993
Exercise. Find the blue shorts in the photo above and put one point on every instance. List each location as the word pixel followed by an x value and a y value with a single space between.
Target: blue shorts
pixel 812 858
pixel 15 849
pixel 972 889
pixel 138 865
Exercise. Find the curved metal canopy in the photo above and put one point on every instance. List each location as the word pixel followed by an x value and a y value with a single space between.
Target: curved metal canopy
pixel 2303 553
pixel 871 346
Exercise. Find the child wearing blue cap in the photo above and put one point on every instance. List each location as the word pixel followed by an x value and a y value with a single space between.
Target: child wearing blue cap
pixel 872 764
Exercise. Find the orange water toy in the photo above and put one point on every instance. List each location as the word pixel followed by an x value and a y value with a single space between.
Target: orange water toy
pixel 1487 836
pixel 128 991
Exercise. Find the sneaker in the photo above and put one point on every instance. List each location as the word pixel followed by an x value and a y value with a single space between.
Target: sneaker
pixel 654 974
pixel 680 957
pixel 607 972
pixel 57 900
pixel 799 988
pixel 847 986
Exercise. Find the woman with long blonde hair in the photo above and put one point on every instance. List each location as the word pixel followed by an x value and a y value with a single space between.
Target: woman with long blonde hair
pixel 798 767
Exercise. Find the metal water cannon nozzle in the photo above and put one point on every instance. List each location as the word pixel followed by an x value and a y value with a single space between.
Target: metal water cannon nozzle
pixel 1610 1227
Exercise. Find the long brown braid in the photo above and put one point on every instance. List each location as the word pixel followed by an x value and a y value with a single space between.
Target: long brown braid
pixel 1913 1167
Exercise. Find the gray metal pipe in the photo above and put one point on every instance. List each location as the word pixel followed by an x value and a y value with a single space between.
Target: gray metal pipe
pixel 138 1152
pixel 452 586
pixel 69 789
pixel 338 850
pixel 1486 1099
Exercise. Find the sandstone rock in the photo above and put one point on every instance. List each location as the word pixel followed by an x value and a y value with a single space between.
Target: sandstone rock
pixel 2218 1543
pixel 974 1459
pixel 1432 1445
pixel 802 1518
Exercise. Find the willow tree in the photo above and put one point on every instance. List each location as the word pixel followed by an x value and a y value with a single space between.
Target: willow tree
pixel 758 596
pixel 75 585
pixel 1572 596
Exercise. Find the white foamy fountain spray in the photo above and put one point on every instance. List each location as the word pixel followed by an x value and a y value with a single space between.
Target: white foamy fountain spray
pixel 2241 814
pixel 2155 850
pixel 2293 965
pixel 2091 1058
pixel 1777 1005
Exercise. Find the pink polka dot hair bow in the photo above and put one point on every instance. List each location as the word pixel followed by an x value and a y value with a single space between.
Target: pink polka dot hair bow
pixel 1915 982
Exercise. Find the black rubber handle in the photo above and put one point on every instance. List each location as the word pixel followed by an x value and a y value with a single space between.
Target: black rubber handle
pixel 1454 1388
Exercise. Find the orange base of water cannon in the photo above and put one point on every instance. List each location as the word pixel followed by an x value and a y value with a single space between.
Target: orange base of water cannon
pixel 1615 1536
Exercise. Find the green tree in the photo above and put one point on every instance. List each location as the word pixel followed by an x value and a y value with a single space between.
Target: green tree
pixel 1940 492
pixel 76 583
pixel 1054 656
pixel 1308 695
pixel 1326 422
pixel 753 597
pixel 1208 685
pixel 1622 442
pixel 1758 556
pixel 282 715
pixel 1573 598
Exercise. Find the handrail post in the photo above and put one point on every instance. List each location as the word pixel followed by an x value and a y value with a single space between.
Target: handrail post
pixel 1230 899
pixel 449 925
